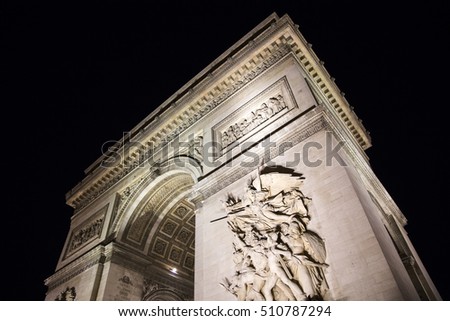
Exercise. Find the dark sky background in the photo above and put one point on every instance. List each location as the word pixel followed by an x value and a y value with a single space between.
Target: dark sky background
pixel 75 76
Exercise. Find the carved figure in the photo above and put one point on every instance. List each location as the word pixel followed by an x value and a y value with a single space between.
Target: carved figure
pixel 69 294
pixel 85 234
pixel 231 135
pixel 225 139
pixel 279 274
pixel 256 117
pixel 307 260
pixel 196 147
pixel 276 256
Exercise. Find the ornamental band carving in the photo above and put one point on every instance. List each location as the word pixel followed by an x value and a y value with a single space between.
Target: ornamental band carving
pixel 260 111
pixel 276 256
pixel 158 142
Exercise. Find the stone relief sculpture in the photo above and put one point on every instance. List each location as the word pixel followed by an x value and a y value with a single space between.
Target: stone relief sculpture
pixel 196 147
pixel 276 257
pixel 85 234
pixel 267 110
pixel 126 280
pixel 69 294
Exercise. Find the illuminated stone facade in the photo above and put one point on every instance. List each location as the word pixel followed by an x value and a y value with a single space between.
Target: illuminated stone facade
pixel 202 200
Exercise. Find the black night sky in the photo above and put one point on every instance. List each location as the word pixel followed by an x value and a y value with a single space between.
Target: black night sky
pixel 74 76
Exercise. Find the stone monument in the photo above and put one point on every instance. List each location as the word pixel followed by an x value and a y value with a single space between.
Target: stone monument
pixel 249 183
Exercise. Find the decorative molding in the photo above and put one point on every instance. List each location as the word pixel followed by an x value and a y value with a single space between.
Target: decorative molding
pixel 276 256
pixel 215 182
pixel 128 195
pixel 268 43
pixel 93 257
pixel 129 191
pixel 160 139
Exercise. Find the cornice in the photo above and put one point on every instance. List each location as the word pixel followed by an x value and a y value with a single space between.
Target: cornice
pixel 79 198
pixel 360 162
pixel 256 52
pixel 83 263
pixel 325 84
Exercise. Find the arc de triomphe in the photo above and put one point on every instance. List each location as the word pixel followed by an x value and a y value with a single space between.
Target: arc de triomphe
pixel 251 183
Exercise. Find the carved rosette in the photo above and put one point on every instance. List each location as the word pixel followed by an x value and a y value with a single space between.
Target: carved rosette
pixel 276 256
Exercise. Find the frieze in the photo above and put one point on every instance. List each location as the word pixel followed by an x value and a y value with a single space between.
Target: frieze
pixel 207 188
pixel 234 85
pixel 264 108
pixel 88 231
pixel 263 113
pixel 282 42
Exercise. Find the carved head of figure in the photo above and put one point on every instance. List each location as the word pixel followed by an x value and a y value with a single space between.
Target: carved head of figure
pixel 284 228
pixel 260 196
pixel 296 229
pixel 249 235
pixel 238 257
pixel 71 294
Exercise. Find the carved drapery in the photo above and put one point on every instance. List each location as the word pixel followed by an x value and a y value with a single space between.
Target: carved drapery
pixel 276 256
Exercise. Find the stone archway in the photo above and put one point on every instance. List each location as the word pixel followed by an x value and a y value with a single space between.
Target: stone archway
pixel 159 227
pixel 162 295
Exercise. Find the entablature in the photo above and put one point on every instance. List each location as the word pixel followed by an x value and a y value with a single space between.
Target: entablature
pixel 256 52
